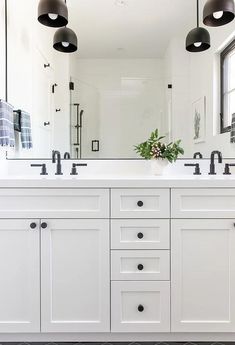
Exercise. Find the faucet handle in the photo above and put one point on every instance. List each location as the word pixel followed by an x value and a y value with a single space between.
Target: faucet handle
pixel 197 168
pixel 75 165
pixel 226 168
pixel 43 166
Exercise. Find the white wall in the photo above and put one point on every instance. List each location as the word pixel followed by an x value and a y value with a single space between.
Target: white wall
pixel 205 81
pixel 30 84
pixel 177 74
pixel 197 75
pixel 129 98
pixel 61 120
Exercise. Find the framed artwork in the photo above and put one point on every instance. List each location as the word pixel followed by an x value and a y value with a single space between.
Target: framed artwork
pixel 199 120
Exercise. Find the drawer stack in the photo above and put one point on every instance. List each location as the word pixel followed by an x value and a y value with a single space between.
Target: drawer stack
pixel 140 260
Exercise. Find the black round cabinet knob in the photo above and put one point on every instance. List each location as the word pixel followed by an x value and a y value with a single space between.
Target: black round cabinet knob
pixel 44 225
pixel 33 225
pixel 140 235
pixel 140 203
pixel 140 308
pixel 140 267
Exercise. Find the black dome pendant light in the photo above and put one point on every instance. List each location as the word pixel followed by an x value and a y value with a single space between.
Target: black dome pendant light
pixel 218 12
pixel 198 39
pixel 65 40
pixel 53 13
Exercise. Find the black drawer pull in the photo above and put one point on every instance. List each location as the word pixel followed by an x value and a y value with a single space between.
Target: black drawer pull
pixel 140 235
pixel 44 225
pixel 140 203
pixel 140 267
pixel 33 225
pixel 140 308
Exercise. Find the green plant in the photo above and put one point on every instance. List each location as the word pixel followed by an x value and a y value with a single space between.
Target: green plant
pixel 153 148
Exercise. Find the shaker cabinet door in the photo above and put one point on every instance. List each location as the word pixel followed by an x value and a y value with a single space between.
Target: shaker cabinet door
pixel 203 275
pixel 140 307
pixel 20 276
pixel 75 276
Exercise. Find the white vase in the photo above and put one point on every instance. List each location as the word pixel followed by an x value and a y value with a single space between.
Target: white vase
pixel 158 166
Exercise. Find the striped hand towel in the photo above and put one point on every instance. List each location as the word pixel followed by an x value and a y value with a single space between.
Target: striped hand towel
pixel 232 133
pixel 26 133
pixel 7 135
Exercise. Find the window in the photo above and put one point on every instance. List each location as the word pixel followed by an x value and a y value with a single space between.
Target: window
pixel 227 59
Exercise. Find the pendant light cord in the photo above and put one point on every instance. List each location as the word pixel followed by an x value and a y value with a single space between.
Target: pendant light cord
pixel 197 13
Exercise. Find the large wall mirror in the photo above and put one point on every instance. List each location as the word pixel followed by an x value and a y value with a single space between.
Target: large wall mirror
pixel 130 75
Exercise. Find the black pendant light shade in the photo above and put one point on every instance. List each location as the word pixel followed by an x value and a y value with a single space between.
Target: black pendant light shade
pixel 65 40
pixel 198 39
pixel 218 12
pixel 53 13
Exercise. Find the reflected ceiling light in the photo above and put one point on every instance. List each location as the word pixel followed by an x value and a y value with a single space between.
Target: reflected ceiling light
pixel 53 13
pixel 218 12
pixel 65 40
pixel 198 39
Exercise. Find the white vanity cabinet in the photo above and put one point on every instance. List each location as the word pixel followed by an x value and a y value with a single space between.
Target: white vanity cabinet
pixel 55 272
pixel 140 306
pixel 203 261
pixel 19 276
pixel 140 203
pixel 75 275
pixel 112 261
pixel 140 260
pixel 54 203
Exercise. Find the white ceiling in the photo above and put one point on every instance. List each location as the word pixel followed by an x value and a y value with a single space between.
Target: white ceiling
pixel 137 29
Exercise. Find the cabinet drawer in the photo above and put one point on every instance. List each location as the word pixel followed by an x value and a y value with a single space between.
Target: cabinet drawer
pixel 140 234
pixel 140 307
pixel 54 203
pixel 140 265
pixel 203 203
pixel 140 203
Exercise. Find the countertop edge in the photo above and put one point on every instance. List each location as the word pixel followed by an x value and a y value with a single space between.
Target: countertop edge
pixel 119 183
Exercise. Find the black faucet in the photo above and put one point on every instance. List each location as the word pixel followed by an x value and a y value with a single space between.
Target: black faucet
pixel 43 166
pixel 197 155
pixel 226 168
pixel 197 168
pixel 74 168
pixel 56 156
pixel 212 164
pixel 67 155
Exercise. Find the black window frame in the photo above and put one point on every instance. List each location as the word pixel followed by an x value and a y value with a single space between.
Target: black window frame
pixel 223 56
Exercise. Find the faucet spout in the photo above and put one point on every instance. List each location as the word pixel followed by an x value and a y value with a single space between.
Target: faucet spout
pixel 56 157
pixel 197 155
pixel 212 164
